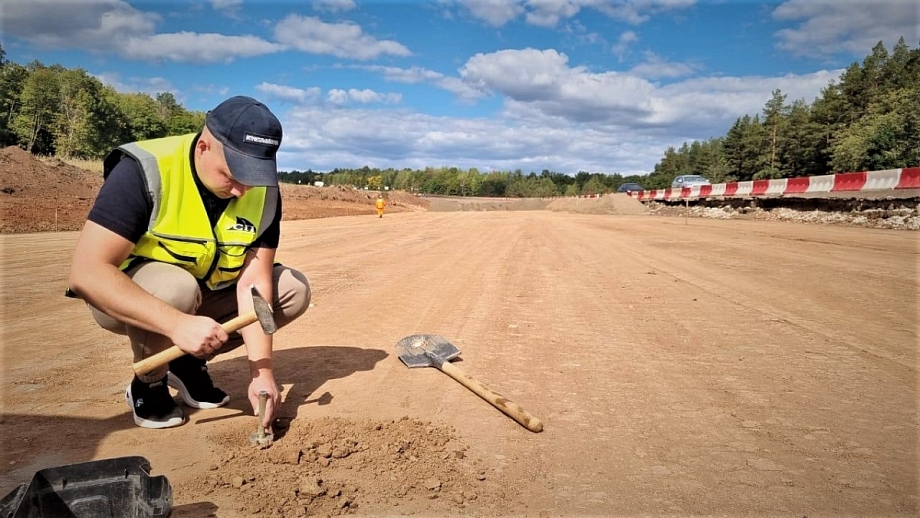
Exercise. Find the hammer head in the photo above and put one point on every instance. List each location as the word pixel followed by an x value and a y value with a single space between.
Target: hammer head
pixel 263 311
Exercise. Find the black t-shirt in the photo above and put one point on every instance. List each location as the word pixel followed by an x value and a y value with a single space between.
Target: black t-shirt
pixel 123 205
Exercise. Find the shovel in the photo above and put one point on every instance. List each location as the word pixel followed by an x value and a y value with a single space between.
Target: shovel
pixel 435 351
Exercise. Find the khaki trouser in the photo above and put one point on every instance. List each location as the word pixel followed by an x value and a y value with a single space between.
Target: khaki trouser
pixel 178 288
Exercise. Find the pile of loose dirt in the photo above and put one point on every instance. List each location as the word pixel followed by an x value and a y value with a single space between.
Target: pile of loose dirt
pixel 619 203
pixel 310 202
pixel 902 215
pixel 47 196
pixel 333 466
pixel 37 196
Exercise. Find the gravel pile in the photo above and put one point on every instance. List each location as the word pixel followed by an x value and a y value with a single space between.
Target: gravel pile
pixel 900 215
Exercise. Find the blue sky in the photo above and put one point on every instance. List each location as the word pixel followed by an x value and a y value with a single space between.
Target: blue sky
pixel 566 85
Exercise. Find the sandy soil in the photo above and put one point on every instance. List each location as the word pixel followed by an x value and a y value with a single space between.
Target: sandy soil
pixel 720 367
pixel 681 367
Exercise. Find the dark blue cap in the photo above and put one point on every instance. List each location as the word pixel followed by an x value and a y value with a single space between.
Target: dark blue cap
pixel 251 136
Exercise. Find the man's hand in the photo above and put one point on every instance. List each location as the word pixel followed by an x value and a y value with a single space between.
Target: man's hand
pixel 267 383
pixel 199 336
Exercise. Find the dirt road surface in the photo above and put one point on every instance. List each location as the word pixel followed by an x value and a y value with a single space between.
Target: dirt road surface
pixel 681 367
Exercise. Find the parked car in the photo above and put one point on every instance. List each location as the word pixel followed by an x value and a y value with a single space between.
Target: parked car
pixel 689 180
pixel 630 187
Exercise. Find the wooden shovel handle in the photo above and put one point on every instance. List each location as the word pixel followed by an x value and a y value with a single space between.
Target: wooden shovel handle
pixel 512 410
pixel 164 357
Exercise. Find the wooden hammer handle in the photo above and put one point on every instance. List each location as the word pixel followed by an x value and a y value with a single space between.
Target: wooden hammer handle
pixel 164 357
pixel 512 410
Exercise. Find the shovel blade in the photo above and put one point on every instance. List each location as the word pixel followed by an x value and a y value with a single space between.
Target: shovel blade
pixel 425 350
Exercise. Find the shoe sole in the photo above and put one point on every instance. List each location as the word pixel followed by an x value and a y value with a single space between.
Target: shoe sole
pixel 173 381
pixel 146 423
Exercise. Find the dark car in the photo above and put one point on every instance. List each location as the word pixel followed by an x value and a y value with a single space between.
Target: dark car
pixel 630 187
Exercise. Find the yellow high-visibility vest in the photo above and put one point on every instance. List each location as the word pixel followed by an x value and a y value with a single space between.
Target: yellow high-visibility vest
pixel 179 231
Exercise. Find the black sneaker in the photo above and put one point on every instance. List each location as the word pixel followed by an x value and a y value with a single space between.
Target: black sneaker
pixel 189 375
pixel 152 405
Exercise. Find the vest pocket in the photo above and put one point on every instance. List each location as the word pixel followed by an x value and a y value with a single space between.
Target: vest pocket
pixel 182 254
pixel 230 260
pixel 188 254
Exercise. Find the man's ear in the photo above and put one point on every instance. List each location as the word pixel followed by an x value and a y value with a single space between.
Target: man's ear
pixel 202 145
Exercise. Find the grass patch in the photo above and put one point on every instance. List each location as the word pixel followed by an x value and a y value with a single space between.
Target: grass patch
pixel 89 165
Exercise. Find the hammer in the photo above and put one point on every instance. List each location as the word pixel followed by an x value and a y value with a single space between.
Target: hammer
pixel 261 312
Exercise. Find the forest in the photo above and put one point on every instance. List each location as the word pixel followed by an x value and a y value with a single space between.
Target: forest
pixel 868 119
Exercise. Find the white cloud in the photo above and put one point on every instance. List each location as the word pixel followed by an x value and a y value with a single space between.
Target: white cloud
pixel 655 67
pixel 322 139
pixel 366 96
pixel 193 47
pixel 290 94
pixel 568 119
pixel 212 90
pixel 415 75
pixel 549 13
pixel 87 24
pixel 114 26
pixel 153 86
pixel 541 85
pixel 337 97
pixel 149 85
pixel 334 97
pixel 230 8
pixel 344 40
pixel 494 12
pixel 581 34
pixel 714 102
pixel 621 48
pixel 369 96
pixel 334 6
pixel 556 117
pixel 543 81
pixel 226 5
pixel 831 27
pixel 531 73
pixel 638 11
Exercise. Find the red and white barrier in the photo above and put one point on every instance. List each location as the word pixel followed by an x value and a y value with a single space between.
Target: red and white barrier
pixel 890 179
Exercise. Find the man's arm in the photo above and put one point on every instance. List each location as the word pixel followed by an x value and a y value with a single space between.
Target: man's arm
pixel 257 270
pixel 96 278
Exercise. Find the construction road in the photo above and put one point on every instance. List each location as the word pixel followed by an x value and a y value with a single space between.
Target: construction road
pixel 680 367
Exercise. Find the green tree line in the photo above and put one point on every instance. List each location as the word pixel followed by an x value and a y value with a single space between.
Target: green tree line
pixel 453 181
pixel 52 110
pixel 869 119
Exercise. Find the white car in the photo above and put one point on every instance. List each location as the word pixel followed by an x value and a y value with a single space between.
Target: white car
pixel 689 180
